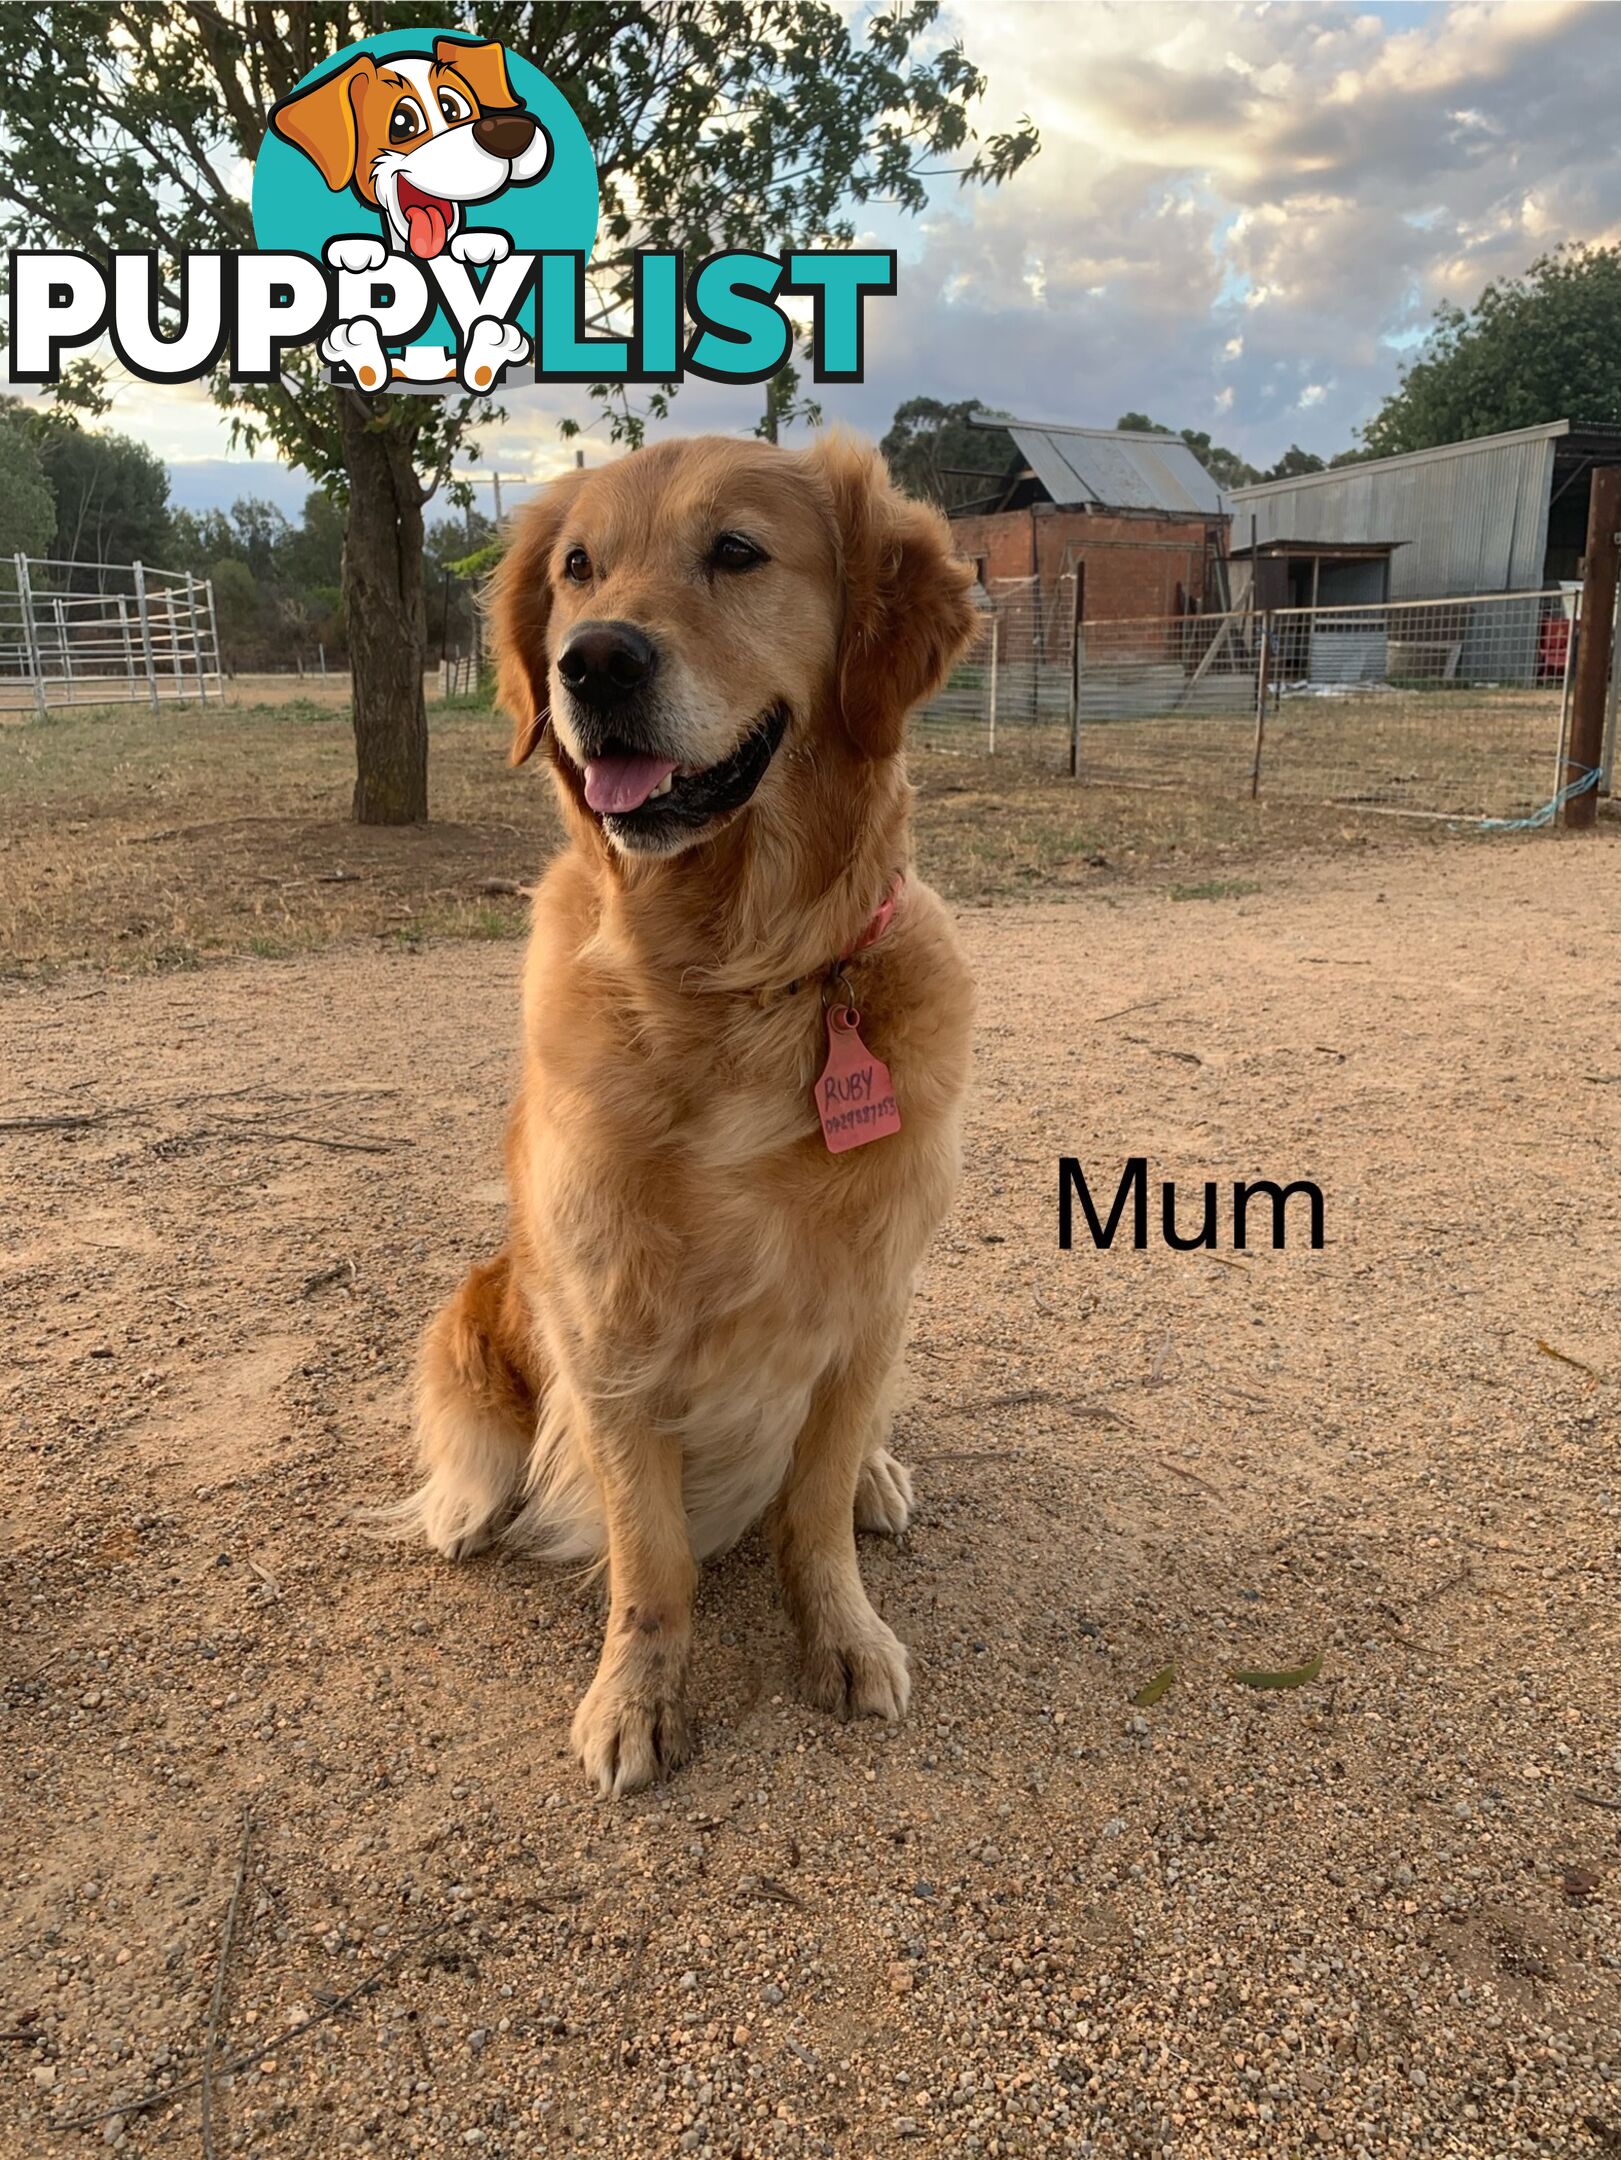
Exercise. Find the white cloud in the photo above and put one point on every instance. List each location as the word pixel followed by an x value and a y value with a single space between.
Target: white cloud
pixel 1248 210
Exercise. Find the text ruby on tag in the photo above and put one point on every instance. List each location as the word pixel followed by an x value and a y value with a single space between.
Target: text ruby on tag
pixel 855 1097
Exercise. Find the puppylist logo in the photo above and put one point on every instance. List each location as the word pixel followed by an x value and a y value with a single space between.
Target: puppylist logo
pixel 425 204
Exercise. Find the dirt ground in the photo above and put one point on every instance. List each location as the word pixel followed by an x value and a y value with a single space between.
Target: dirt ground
pixel 1371 1915
pixel 137 841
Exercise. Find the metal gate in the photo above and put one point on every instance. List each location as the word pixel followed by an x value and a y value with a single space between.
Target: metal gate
pixel 79 633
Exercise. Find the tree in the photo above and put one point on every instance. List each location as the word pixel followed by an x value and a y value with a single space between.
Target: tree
pixel 112 494
pixel 1544 346
pixel 1225 467
pixel 27 505
pixel 937 454
pixel 1294 462
pixel 749 123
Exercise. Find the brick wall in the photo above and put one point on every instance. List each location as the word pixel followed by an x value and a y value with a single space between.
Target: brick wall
pixel 1133 564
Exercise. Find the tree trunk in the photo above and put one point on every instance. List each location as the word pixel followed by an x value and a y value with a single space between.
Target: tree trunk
pixel 382 591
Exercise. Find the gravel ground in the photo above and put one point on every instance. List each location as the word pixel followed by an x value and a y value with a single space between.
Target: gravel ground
pixel 1375 1914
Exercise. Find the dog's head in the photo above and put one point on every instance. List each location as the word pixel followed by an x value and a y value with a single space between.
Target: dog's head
pixel 416 135
pixel 713 628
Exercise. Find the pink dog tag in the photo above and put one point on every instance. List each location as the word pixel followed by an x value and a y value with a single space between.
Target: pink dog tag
pixel 855 1097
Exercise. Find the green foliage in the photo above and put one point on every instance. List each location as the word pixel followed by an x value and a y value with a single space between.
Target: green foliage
pixel 937 454
pixel 111 493
pixel 1293 462
pixel 1543 346
pixel 27 503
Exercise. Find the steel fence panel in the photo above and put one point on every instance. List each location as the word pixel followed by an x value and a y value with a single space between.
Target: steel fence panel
pixel 87 633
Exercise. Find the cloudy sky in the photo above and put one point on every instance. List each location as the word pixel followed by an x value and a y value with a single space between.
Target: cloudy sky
pixel 1241 219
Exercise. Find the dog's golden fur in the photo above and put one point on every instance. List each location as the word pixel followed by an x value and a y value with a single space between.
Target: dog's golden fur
pixel 697 1318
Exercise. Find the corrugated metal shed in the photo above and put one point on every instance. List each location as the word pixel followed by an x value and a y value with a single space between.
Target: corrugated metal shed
pixel 1114 470
pixel 1473 515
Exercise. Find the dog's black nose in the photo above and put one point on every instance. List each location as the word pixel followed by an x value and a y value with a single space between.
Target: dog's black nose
pixel 504 134
pixel 604 663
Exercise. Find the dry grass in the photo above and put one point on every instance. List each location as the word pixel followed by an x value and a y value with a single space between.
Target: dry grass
pixel 137 840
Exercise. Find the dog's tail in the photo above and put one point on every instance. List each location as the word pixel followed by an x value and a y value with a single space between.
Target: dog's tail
pixel 488 1431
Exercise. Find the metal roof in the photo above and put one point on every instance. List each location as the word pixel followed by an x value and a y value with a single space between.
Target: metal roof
pixel 1474 514
pixel 1114 468
pixel 1405 461
pixel 1350 550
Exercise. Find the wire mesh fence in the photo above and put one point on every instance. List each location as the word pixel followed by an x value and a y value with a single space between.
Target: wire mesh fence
pixel 1012 694
pixel 82 633
pixel 1448 708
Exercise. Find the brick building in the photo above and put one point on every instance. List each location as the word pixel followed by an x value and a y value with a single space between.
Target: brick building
pixel 1136 518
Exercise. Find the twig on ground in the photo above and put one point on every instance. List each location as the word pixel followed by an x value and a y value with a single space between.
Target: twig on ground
pixel 75 1123
pixel 1181 1470
pixel 1146 1006
pixel 1594 1799
pixel 248 1131
pixel 160 2096
pixel 211 2038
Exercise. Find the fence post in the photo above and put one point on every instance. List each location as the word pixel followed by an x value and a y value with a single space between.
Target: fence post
pixel 60 612
pixel 129 647
pixel 214 638
pixel 1075 678
pixel 25 596
pixel 1262 671
pixel 1584 738
pixel 195 634
pixel 996 640
pixel 143 615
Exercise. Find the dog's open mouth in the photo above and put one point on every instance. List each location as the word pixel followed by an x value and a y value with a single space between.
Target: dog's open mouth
pixel 428 218
pixel 644 794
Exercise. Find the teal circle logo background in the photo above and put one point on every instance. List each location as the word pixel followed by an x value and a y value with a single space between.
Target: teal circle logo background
pixel 295 210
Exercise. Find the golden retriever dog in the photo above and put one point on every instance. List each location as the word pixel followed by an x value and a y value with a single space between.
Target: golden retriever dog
pixel 715 1225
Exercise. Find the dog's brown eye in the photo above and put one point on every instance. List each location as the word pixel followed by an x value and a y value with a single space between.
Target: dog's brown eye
pixel 454 107
pixel 577 566
pixel 405 121
pixel 733 551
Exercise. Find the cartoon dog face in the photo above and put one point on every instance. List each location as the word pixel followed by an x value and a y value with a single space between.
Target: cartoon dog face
pixel 417 135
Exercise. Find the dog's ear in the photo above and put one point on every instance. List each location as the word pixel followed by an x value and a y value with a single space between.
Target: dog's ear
pixel 482 67
pixel 907 614
pixel 320 121
pixel 520 606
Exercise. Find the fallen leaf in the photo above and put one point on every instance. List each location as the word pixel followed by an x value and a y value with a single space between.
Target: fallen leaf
pixel 1155 1690
pixel 1296 1676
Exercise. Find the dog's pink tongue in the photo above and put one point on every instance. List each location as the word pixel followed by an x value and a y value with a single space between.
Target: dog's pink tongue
pixel 624 783
pixel 429 228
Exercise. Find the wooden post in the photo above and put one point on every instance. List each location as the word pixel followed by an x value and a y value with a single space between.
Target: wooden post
pixel 1584 740
pixel 1262 669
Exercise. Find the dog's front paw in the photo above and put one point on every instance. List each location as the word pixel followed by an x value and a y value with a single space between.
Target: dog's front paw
pixel 884 1495
pixel 490 347
pixel 355 252
pixel 864 1674
pixel 627 1737
pixel 357 347
pixel 479 245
